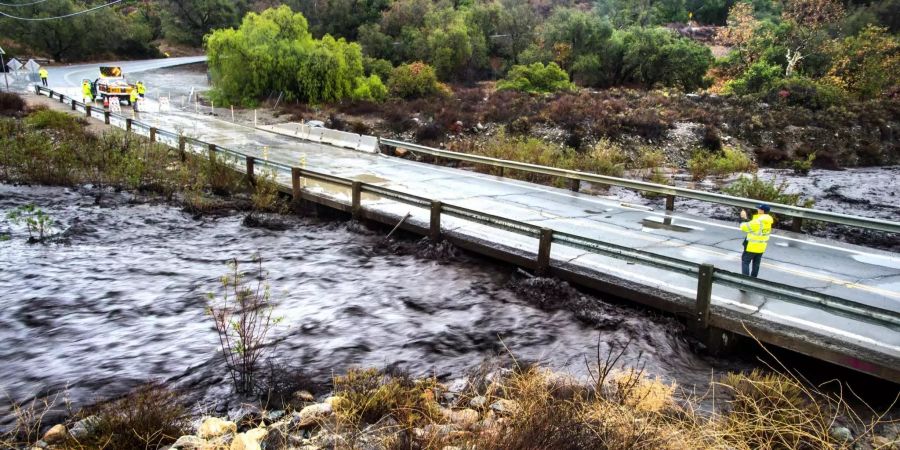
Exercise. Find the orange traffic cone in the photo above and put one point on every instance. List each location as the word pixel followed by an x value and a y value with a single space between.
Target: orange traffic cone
pixel 106 102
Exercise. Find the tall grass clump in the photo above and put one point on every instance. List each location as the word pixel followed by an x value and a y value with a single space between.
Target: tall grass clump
pixel 730 160
pixel 11 104
pixel 369 395
pixel 150 417
pixel 769 191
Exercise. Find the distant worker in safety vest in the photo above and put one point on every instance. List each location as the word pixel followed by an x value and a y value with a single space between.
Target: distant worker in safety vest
pixel 140 88
pixel 86 91
pixel 133 98
pixel 758 229
pixel 42 72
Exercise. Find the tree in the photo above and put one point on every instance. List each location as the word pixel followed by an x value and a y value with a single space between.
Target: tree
pixel 517 25
pixel 187 21
pixel 866 64
pixel 274 52
pixel 657 55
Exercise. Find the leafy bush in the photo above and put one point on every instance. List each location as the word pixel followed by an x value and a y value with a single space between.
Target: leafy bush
pixel 376 66
pixel 730 160
pixel 369 89
pixel 370 395
pixel 413 80
pixel 761 77
pixel 804 165
pixel 536 78
pixel 766 191
pixel 808 93
pixel 151 416
pixel 35 219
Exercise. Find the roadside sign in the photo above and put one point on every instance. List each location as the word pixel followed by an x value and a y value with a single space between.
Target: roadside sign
pixel 32 66
pixel 114 106
pixel 14 65
pixel 1 51
pixel 164 104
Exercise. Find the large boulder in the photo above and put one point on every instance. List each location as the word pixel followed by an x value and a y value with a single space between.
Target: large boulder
pixel 56 434
pixel 312 414
pixel 249 440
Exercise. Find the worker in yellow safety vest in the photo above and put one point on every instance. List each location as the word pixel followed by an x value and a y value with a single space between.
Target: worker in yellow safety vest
pixel 140 88
pixel 758 229
pixel 43 74
pixel 133 98
pixel 86 91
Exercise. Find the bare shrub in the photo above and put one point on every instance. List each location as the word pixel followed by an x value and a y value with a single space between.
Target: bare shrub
pixel 243 319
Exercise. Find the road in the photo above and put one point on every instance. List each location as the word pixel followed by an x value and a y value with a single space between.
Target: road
pixel 866 276
pixel 72 75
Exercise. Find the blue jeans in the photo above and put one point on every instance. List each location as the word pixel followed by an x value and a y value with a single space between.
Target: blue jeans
pixel 746 259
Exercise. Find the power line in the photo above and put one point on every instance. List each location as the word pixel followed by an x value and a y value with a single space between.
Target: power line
pixel 36 19
pixel 22 4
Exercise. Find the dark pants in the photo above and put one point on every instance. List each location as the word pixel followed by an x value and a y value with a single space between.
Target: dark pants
pixel 746 259
pixel 44 80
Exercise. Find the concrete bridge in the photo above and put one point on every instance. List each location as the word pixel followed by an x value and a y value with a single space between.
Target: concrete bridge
pixel 830 300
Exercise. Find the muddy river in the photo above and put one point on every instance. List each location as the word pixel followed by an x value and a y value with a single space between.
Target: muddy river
pixel 121 301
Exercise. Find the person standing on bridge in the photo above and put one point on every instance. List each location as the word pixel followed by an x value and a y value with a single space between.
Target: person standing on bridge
pixel 141 90
pixel 758 229
pixel 43 74
pixel 86 91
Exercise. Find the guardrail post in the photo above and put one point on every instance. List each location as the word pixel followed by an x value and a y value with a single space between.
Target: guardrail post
pixel 251 162
pixel 543 257
pixel 295 184
pixel 152 134
pixel 501 170
pixel 670 203
pixel 575 184
pixel 73 104
pixel 128 125
pixel 356 199
pixel 704 295
pixel 211 149
pixel 61 98
pixel 87 110
pixel 182 143
pixel 106 117
pixel 796 224
pixel 435 228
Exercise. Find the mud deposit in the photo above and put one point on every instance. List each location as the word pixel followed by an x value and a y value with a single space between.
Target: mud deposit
pixel 122 302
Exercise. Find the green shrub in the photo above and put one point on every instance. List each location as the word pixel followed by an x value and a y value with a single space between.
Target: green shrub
pixel 761 77
pixel 413 80
pixel 808 93
pixel 54 120
pixel 804 165
pixel 369 89
pixel 730 160
pixel 536 78
pixel 766 191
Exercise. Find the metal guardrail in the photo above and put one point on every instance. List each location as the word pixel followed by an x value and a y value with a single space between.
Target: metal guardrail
pixel 547 236
pixel 787 210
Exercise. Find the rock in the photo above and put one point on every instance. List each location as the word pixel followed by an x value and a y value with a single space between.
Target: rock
pixel 401 152
pixel 40 445
pixel 249 440
pixel 214 426
pixel 504 406
pixel 55 434
pixel 478 402
pixel 842 434
pixel 313 413
pixel 334 401
pixel 438 431
pixel 464 418
pixel 84 426
pixel 189 442
pixel 315 123
pixel 304 396
pixel 273 416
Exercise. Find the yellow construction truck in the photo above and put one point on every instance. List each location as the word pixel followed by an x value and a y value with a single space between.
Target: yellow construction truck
pixel 111 86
